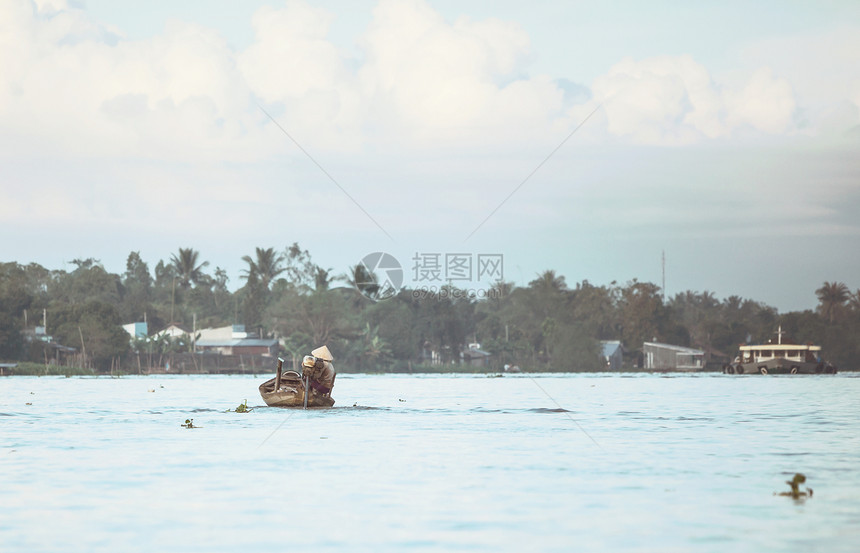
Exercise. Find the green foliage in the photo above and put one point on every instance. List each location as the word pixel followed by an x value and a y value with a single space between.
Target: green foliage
pixel 832 297
pixel 14 299
pixel 242 408
pixel 90 282
pixel 137 287
pixel 187 269
pixel 96 327
pixel 38 369
pixel 546 325
pixel 267 265
pixel 795 483
pixel 574 349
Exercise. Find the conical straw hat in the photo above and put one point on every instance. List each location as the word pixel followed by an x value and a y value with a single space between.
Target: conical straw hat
pixel 323 353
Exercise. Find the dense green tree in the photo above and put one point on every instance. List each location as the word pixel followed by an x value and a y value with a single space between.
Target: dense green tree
pixel 642 313
pixel 444 321
pixel 137 285
pixel 574 349
pixel 40 284
pixel 95 327
pixel 543 326
pixel 301 271
pixel 596 308
pixel 14 299
pixel 88 282
pixel 254 297
pixel 394 321
pixel 323 316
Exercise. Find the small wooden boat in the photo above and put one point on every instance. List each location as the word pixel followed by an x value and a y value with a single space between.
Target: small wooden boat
pixel 288 389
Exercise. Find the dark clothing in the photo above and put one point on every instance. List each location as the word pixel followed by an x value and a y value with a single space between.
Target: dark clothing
pixel 322 379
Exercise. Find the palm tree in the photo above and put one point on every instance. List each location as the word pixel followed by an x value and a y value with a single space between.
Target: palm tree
pixel 854 302
pixel 323 279
pixel 265 268
pixel 832 297
pixel 548 282
pixel 363 280
pixel 548 291
pixel 187 269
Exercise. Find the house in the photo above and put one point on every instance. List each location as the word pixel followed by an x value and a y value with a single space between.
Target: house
pixel 173 330
pixel 667 357
pixel 223 333
pixel 5 366
pixel 475 356
pixel 612 354
pixel 136 330
pixel 233 340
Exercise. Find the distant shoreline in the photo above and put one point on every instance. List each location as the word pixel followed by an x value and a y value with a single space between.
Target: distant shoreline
pixel 68 372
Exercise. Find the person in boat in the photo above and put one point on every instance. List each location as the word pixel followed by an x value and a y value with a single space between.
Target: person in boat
pixel 317 366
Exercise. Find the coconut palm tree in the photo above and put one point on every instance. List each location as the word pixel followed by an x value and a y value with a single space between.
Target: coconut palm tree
pixel 832 297
pixel 364 280
pixel 548 282
pixel 854 301
pixel 188 271
pixel 323 279
pixel 265 268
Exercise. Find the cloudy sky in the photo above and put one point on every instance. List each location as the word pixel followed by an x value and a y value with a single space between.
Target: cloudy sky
pixel 726 135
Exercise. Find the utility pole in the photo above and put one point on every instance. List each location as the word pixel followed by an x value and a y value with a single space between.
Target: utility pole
pixel 663 289
pixel 172 299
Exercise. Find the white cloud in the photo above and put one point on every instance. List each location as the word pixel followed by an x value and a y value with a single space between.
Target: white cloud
pixel 456 83
pixel 766 103
pixel 673 100
pixel 71 87
pixel 416 82
pixel 822 65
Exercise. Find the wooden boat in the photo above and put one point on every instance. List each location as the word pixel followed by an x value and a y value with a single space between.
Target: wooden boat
pixel 288 389
pixel 782 357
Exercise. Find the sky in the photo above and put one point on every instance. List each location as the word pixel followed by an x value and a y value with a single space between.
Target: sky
pixel 589 138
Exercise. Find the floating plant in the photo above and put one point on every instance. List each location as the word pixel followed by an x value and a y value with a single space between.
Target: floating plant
pixel 242 408
pixel 795 483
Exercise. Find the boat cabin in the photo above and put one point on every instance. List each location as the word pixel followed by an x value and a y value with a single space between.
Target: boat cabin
pixel 791 352
pixel 782 349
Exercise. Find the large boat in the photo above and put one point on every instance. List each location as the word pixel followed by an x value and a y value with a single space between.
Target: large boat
pixel 782 357
pixel 289 389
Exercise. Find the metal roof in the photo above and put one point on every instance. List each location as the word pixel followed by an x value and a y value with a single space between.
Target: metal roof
pixel 238 342
pixel 678 349
pixel 610 347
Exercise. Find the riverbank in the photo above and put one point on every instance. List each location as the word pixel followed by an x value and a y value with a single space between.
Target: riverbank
pixel 36 369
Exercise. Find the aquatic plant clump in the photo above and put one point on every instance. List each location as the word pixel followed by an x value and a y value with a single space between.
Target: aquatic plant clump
pixel 795 483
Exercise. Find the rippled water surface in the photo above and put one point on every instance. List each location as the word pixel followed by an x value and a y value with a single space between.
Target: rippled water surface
pixel 431 463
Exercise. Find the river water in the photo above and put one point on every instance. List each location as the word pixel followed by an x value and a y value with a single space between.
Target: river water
pixel 593 462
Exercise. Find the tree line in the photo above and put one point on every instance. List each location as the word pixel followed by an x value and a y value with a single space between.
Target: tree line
pixel 546 325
